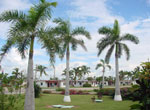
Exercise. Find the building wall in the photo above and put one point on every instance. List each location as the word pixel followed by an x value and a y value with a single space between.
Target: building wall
pixel 42 83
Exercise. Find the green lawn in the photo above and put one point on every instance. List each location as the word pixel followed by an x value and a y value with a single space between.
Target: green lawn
pixel 82 102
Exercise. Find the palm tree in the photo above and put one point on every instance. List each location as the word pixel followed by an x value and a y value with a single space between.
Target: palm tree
pixel 71 74
pixel 85 70
pixel 19 78
pixel 23 31
pixel 104 65
pixel 67 36
pixel 113 39
pixel 122 75
pixel 16 73
pixel 41 69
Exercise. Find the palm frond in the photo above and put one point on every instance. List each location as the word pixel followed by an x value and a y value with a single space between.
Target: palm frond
pixel 103 43
pixel 49 42
pixel 109 53
pixel 12 16
pixel 108 66
pixel 118 50
pixel 22 45
pixel 102 61
pixel 81 31
pixel 116 29
pixel 74 42
pixel 105 30
pixel 41 13
pixel 98 66
pixel 6 48
pixel 130 37
pixel 126 50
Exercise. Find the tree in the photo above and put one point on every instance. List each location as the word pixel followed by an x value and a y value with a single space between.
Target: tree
pixel 25 27
pixel 90 78
pixel 113 39
pixel 104 65
pixel 122 75
pixel 71 73
pixel 67 36
pixel 19 78
pixel 85 70
pixel 80 72
pixel 41 69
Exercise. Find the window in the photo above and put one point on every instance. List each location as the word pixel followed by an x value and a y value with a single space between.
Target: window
pixel 41 84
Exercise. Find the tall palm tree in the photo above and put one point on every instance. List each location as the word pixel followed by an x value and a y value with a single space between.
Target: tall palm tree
pixel 41 69
pixel 113 39
pixel 104 65
pixel 67 36
pixel 23 31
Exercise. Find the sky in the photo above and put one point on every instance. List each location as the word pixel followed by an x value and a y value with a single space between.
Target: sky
pixel 133 17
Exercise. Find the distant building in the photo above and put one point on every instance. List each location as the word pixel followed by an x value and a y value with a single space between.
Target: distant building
pixel 61 83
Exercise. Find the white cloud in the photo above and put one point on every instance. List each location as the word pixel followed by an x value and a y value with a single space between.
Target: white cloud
pixel 14 4
pixel 11 5
pixel 97 12
pixel 13 60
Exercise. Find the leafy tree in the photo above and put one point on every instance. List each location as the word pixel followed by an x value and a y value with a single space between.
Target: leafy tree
pixel 90 78
pixel 68 38
pixel 85 70
pixel 81 71
pixel 113 39
pixel 41 69
pixel 103 65
pixel 142 94
pixel 25 27
pixel 19 78
pixel 71 74
pixel 122 75
pixel 9 102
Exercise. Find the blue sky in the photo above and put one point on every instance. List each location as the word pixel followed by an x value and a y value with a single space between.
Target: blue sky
pixel 133 16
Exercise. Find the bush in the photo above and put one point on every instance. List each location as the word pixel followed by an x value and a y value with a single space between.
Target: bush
pixel 74 92
pixel 127 93
pixel 37 90
pixel 106 91
pixel 143 92
pixel 47 92
pixel 87 85
pixel 60 89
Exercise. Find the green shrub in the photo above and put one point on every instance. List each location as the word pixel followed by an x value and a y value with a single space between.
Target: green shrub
pixel 136 86
pixel 10 102
pixel 60 89
pixel 142 94
pixel 87 85
pixel 47 92
pixel 37 90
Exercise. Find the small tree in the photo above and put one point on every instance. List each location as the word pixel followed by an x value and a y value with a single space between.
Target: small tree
pixel 103 65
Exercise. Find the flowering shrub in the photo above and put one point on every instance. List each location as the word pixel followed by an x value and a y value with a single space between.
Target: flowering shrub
pixel 74 92
pixel 143 93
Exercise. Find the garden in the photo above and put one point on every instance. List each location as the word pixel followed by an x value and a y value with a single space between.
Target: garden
pixel 20 91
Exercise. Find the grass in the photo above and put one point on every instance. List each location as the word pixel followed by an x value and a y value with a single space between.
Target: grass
pixel 82 102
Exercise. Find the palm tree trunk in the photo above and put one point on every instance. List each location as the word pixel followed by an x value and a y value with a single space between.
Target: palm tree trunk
pixel 29 96
pixel 117 83
pixel 67 96
pixel 103 77
pixel 54 72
